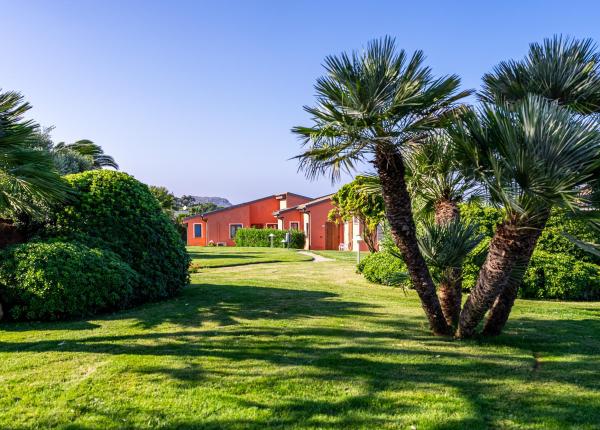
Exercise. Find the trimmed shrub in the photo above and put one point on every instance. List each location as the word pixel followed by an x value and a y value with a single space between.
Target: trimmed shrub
pixel 114 211
pixel 57 280
pixel 260 237
pixel 383 268
pixel 560 276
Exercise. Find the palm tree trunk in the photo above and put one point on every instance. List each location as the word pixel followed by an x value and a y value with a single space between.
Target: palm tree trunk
pixel 450 289
pixel 511 242
pixel 498 315
pixel 390 167
pixel 446 211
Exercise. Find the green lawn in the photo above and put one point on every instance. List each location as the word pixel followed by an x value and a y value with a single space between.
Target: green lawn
pixel 299 345
pixel 211 257
pixel 347 256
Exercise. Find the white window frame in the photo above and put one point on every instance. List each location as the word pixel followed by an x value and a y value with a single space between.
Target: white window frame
pixel 194 230
pixel 292 225
pixel 234 223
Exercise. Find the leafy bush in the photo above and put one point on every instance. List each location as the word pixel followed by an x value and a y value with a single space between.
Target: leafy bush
pixel 114 211
pixel 56 280
pixel 558 268
pixel 383 268
pixel 560 276
pixel 260 237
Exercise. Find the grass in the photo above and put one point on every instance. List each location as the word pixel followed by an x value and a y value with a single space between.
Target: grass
pixel 346 256
pixel 211 257
pixel 299 345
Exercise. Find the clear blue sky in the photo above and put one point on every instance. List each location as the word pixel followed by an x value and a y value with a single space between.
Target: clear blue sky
pixel 200 96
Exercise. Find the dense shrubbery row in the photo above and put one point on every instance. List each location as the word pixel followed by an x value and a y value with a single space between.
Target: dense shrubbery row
pixel 558 268
pixel 110 247
pixel 260 237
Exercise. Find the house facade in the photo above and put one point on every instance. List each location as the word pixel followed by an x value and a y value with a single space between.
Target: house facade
pixel 285 211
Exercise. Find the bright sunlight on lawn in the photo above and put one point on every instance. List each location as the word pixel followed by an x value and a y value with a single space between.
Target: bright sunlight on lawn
pixel 297 344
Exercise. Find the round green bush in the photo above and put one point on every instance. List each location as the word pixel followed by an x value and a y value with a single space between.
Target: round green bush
pixel 57 280
pixel 114 211
pixel 383 268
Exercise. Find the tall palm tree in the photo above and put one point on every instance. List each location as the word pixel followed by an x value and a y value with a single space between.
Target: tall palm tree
pixel 562 69
pixel 532 155
pixel 371 105
pixel 27 175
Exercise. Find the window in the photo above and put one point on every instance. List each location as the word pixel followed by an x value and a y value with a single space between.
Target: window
pixel 294 225
pixel 233 228
pixel 197 230
pixel 272 226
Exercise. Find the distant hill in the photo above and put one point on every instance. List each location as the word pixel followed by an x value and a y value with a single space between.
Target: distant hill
pixel 219 201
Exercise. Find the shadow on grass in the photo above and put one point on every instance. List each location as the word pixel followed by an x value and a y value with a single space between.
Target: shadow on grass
pixel 481 373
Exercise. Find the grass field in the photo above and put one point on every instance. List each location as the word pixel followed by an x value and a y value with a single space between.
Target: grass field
pixel 298 345
pixel 210 257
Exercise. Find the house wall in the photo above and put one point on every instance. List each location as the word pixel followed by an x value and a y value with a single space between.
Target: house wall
pixel 318 217
pixel 289 217
pixel 294 200
pixel 196 241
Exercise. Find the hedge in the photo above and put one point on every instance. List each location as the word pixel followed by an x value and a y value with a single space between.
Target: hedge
pixel 58 280
pixel 260 237
pixel 116 212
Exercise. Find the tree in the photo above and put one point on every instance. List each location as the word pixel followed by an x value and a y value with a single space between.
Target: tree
pixel 203 208
pixel 532 155
pixel 371 106
pixel 561 69
pixel 352 201
pixel 165 198
pixel 28 178
pixel 437 187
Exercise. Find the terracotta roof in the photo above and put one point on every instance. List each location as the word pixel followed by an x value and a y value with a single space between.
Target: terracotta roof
pixel 272 196
pixel 305 205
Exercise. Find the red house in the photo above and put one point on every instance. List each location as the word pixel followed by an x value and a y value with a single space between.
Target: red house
pixel 286 211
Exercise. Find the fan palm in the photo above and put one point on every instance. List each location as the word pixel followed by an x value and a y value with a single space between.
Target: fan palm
pixel 561 69
pixel 532 155
pixel 27 174
pixel 370 106
pixel 90 151
pixel 436 187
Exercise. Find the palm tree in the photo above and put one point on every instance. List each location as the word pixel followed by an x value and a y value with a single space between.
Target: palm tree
pixel 561 69
pixel 438 186
pixel 532 155
pixel 89 151
pixel 27 174
pixel 370 106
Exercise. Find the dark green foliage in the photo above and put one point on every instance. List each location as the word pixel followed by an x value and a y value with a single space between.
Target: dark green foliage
pixel 383 268
pixel 260 237
pixel 560 276
pixel 116 212
pixel 57 280
pixel 559 269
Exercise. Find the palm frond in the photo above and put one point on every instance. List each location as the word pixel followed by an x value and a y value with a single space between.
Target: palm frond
pixel 529 154
pixel 379 98
pixel 560 68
